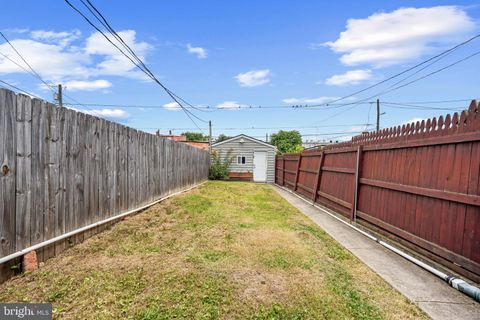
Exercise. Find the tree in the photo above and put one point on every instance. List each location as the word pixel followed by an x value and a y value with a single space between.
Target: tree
pixel 221 137
pixel 195 136
pixel 287 141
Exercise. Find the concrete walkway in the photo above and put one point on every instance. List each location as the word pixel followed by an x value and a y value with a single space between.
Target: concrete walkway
pixel 428 292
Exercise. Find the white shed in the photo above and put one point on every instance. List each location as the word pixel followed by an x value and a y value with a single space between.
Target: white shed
pixel 253 159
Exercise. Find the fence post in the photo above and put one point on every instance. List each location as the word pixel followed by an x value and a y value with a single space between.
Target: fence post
pixel 298 171
pixel 283 170
pixel 356 185
pixel 319 176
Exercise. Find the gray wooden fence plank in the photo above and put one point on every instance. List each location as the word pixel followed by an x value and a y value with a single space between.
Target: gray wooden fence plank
pixel 79 196
pixel 60 195
pixel 24 171
pixel 51 177
pixel 67 169
pixel 7 171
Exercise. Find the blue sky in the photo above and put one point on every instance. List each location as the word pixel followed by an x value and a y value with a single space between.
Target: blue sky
pixel 259 53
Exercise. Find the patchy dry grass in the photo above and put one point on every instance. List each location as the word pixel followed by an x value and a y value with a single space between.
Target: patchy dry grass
pixel 223 251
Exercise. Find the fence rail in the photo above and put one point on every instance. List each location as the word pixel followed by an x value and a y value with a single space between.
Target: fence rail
pixel 418 183
pixel 62 170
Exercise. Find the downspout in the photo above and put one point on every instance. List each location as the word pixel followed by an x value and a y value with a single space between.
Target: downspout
pixel 456 283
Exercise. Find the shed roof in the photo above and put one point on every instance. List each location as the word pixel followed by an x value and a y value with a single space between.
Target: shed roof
pixel 245 137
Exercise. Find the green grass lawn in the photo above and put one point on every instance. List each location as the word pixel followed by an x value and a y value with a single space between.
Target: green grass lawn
pixel 222 251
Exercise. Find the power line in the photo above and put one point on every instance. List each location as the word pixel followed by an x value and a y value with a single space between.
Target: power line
pixel 406 84
pixel 103 21
pixel 146 70
pixel 417 107
pixel 344 133
pixel 207 107
pixel 35 73
pixel 265 128
pixel 433 101
pixel 19 89
pixel 405 71
pixel 32 70
pixel 140 65
pixel 424 76
pixel 254 107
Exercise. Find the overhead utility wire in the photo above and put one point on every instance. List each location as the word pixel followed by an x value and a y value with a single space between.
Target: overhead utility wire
pixel 260 107
pixel 19 89
pixel 422 77
pixel 342 134
pixel 266 128
pixel 421 69
pixel 209 107
pixel 103 21
pixel 415 107
pixel 35 73
pixel 403 72
pixel 406 84
pixel 432 102
pixel 146 70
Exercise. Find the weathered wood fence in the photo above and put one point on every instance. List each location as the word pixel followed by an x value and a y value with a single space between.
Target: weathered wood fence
pixel 418 183
pixel 61 170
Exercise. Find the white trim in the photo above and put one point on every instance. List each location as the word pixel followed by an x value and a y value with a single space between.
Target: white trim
pixel 256 172
pixel 241 156
pixel 245 137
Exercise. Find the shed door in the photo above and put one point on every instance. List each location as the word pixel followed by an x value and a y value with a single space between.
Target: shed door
pixel 260 166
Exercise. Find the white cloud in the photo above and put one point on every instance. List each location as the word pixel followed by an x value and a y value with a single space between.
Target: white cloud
pixel 309 100
pixel 350 77
pixel 413 120
pixel 51 61
pixel 113 62
pixel 407 33
pixel 253 78
pixel 63 38
pixel 78 85
pixel 111 114
pixel 230 105
pixel 199 51
pixel 55 57
pixel 355 130
pixel 171 106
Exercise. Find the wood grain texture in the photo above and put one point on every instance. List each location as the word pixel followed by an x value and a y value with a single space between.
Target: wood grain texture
pixel 8 141
pixel 61 170
pixel 419 182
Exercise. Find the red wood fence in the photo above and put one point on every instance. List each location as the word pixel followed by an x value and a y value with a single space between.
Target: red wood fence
pixel 417 183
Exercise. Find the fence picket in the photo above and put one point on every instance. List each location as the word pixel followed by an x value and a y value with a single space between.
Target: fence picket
pixel 418 183
pixel 61 170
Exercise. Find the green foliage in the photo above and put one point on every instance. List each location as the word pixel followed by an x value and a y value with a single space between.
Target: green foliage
pixel 219 166
pixel 287 141
pixel 222 137
pixel 195 136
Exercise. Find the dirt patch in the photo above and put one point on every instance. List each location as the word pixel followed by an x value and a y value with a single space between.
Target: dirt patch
pixel 222 251
pixel 261 287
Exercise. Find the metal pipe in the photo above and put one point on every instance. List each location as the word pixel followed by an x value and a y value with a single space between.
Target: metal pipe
pixel 90 226
pixel 456 283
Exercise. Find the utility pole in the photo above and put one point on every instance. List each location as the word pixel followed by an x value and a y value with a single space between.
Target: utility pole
pixel 266 137
pixel 210 136
pixel 378 114
pixel 59 96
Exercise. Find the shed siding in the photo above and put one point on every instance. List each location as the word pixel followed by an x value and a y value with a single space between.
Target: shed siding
pixel 247 149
